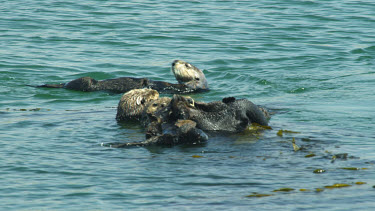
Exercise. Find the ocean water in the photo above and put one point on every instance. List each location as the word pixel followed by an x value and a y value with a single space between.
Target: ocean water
pixel 311 62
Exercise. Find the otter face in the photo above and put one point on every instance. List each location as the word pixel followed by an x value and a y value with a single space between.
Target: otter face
pixel 156 113
pixel 134 102
pixel 189 75
pixel 156 106
pixel 182 106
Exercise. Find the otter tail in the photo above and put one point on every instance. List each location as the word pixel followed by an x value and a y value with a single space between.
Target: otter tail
pixel 50 85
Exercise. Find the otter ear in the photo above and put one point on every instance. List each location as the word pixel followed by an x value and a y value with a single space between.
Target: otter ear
pixel 191 101
pixel 139 100
pixel 228 100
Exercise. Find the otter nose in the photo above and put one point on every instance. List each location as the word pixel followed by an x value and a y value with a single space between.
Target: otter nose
pixel 175 62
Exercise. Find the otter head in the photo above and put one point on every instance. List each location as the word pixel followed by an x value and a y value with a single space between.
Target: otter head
pixel 189 75
pixel 157 109
pixel 134 102
pixel 182 106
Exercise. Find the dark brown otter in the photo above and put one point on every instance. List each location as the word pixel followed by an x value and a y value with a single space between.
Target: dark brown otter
pixel 181 132
pixel 228 115
pixel 190 78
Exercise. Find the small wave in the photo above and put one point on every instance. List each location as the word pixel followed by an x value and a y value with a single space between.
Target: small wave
pixel 364 50
pixel 157 37
pixel 299 90
pixel 264 82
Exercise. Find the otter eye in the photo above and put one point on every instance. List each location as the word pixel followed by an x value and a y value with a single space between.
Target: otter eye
pixel 190 101
pixel 143 101
pixel 155 104
pixel 197 79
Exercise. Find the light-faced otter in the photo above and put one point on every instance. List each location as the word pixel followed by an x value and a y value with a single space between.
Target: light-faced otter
pixel 189 75
pixel 134 102
pixel 228 115
pixel 190 78
pixel 143 104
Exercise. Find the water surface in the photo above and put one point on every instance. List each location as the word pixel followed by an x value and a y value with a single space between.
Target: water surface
pixel 311 62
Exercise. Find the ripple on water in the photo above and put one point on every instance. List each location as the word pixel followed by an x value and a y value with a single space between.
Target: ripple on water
pixel 310 61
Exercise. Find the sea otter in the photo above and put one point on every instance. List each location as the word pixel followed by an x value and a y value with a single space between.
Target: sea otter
pixel 189 77
pixel 228 115
pixel 181 132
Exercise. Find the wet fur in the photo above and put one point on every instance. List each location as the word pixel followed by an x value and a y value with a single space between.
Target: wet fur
pixel 133 103
pixel 190 79
pixel 229 115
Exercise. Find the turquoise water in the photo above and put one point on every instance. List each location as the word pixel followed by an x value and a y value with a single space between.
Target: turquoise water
pixel 311 62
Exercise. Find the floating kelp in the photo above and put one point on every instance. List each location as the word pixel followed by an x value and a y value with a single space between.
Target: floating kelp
pixel 310 155
pixel 319 171
pixel 341 156
pixel 295 146
pixel 197 156
pixel 337 185
pixel 255 129
pixel 281 132
pixel 259 126
pixel 360 183
pixel 353 168
pixel 258 195
pixel 283 190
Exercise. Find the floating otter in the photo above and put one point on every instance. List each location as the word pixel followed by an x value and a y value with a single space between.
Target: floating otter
pixel 181 132
pixel 228 115
pixel 190 78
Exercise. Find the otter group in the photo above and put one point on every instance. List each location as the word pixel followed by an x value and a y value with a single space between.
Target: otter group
pixel 176 120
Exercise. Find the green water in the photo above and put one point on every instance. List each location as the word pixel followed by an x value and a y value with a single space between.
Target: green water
pixel 311 62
